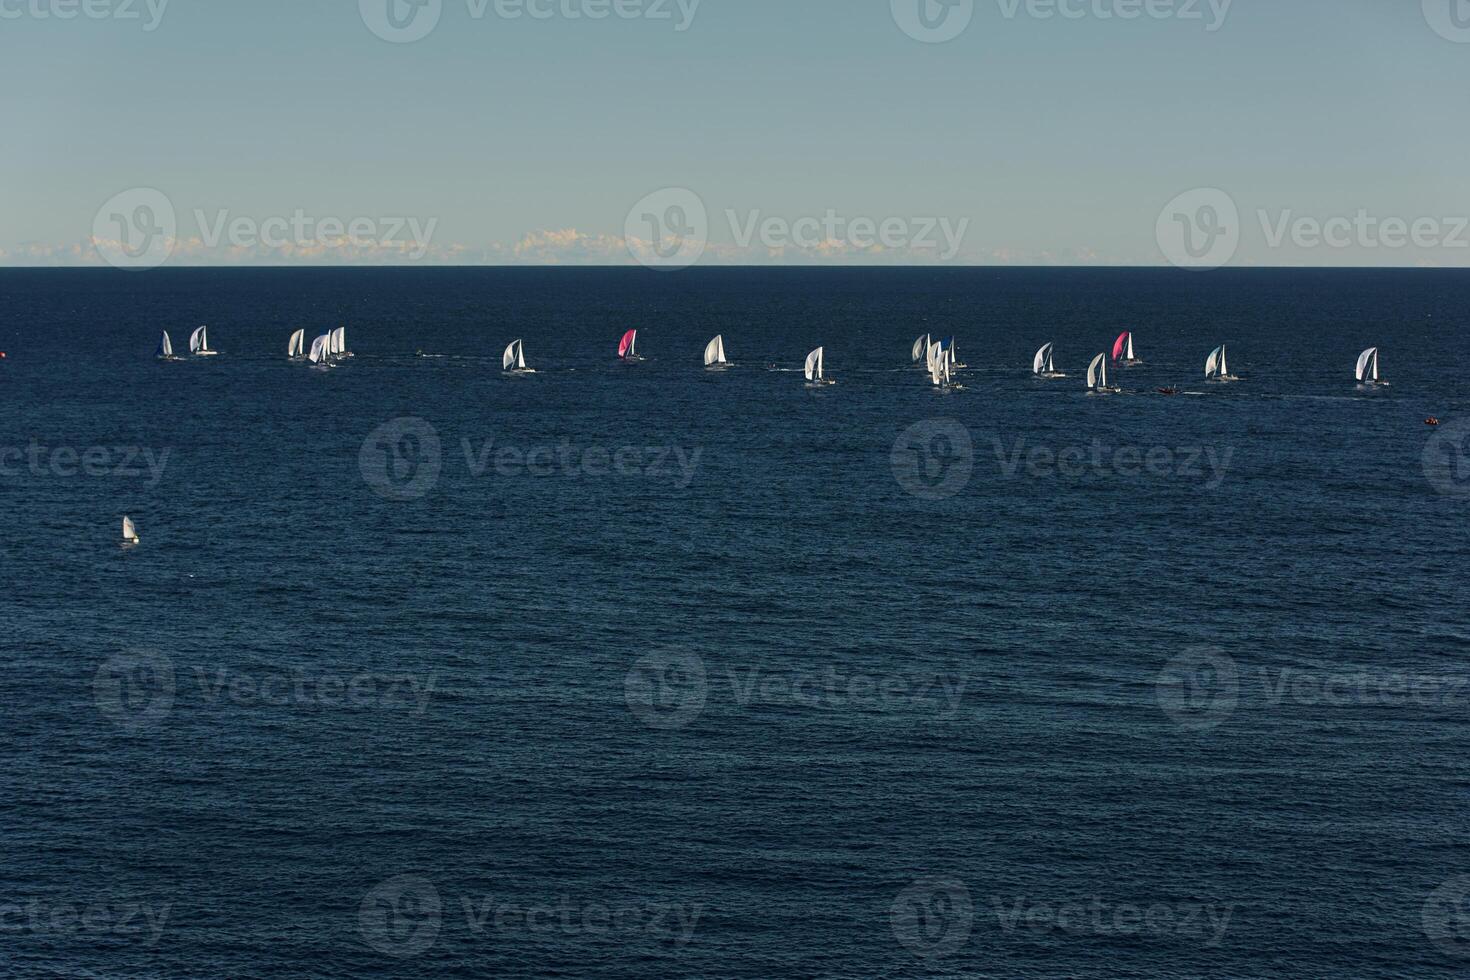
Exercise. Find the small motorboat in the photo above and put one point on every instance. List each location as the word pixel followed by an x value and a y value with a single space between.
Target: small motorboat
pixel 1431 421
pixel 1168 391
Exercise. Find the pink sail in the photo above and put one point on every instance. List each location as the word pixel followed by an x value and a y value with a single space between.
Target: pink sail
pixel 1118 347
pixel 627 344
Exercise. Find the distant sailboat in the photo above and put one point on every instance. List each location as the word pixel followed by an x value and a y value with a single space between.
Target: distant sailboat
pixel 339 343
pixel 814 367
pixel 165 349
pixel 1123 350
pixel 1044 366
pixel 296 349
pixel 952 355
pixel 714 353
pixel 199 343
pixel 628 347
pixel 921 348
pixel 1368 369
pixel 129 532
pixel 1216 369
pixel 320 352
pixel 514 359
pixel 1097 376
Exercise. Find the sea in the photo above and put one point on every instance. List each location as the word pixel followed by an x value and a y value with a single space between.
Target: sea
pixel 629 670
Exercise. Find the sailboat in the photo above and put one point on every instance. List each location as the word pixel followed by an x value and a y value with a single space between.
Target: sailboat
pixel 1097 377
pixel 951 354
pixel 514 359
pixel 1216 369
pixel 320 356
pixel 814 364
pixel 296 348
pixel 166 349
pixel 1368 369
pixel 199 343
pixel 1123 350
pixel 714 353
pixel 339 343
pixel 129 532
pixel 628 347
pixel 921 348
pixel 1044 366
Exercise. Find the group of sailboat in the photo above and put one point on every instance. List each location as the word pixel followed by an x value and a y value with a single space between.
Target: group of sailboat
pixel 941 361
pixel 198 346
pixel 325 350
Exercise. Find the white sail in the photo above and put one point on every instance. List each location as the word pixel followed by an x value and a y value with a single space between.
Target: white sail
pixel 198 341
pixel 814 364
pixel 1364 359
pixel 512 354
pixel 337 342
pixel 714 352
pixel 165 346
pixel 320 349
pixel 129 532
pixel 297 345
pixel 1129 356
pixel 1097 373
pixel 1213 365
pixel 1224 368
pixel 921 348
pixel 1042 363
pixel 1368 359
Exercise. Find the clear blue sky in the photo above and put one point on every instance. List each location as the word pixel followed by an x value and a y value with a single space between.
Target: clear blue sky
pixel 1052 137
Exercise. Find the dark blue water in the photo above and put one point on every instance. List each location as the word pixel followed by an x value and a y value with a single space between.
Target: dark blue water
pixel 714 675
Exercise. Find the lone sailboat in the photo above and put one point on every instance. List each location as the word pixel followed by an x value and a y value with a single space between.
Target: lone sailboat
pixel 296 348
pixel 1044 366
pixel 514 359
pixel 199 343
pixel 320 352
pixel 628 347
pixel 1123 350
pixel 129 532
pixel 814 368
pixel 1368 369
pixel 714 353
pixel 921 348
pixel 165 349
pixel 1097 377
pixel 1216 369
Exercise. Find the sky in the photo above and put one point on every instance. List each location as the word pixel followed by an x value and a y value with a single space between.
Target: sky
pixel 671 132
